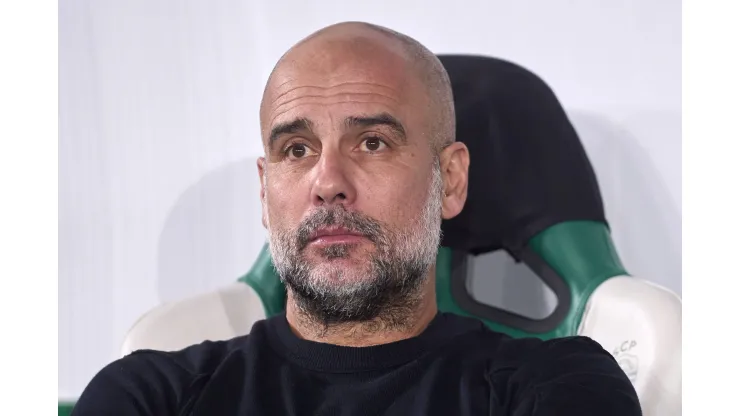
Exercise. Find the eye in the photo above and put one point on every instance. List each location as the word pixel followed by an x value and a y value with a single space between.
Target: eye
pixel 298 151
pixel 373 144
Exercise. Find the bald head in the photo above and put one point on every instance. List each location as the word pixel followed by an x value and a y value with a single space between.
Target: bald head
pixel 371 48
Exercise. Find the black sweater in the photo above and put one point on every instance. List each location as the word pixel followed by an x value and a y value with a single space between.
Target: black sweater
pixel 455 367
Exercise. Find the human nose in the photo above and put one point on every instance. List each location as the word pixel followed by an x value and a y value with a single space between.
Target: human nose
pixel 332 185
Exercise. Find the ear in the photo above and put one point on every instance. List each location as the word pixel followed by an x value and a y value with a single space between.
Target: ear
pixel 261 170
pixel 454 161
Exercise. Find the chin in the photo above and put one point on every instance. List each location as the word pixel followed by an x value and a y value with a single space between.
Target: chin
pixel 339 253
pixel 340 270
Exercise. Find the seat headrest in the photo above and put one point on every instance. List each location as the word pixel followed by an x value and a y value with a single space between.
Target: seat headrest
pixel 528 168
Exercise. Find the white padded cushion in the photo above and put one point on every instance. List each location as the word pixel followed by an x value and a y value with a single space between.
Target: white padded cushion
pixel 220 315
pixel 640 324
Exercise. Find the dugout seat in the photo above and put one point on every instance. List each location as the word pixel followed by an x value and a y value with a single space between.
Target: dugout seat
pixel 533 194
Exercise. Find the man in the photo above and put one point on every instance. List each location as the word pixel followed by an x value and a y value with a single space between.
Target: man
pixel 361 166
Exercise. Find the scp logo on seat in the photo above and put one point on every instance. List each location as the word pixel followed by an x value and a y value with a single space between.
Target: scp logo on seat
pixel 627 359
pixel 624 347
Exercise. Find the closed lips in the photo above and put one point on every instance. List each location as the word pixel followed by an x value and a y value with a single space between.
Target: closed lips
pixel 334 232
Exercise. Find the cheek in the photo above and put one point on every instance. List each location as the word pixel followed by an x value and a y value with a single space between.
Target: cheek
pixel 397 202
pixel 283 205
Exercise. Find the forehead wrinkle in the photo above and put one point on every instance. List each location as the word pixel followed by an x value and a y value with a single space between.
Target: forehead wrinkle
pixel 322 100
pixel 341 84
pixel 272 121
pixel 338 94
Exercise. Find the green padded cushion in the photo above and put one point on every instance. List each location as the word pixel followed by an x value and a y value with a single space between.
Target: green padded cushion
pixel 65 408
pixel 582 254
pixel 263 278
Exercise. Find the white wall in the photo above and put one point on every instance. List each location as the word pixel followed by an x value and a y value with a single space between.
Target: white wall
pixel 159 134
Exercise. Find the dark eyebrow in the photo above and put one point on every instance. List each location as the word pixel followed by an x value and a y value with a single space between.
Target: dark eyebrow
pixel 382 119
pixel 292 127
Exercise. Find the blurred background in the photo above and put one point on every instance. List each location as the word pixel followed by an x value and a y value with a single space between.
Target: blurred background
pixel 159 136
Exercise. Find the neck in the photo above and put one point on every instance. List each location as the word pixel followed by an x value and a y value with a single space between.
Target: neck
pixel 367 333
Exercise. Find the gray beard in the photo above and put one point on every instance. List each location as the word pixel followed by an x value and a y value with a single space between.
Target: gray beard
pixel 399 267
pixel 389 298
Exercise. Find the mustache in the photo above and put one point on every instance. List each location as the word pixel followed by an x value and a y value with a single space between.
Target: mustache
pixel 338 216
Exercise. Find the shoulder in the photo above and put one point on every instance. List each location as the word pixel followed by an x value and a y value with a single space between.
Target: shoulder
pixel 198 359
pixel 570 356
pixel 534 351
pixel 570 375
pixel 149 382
pixel 525 353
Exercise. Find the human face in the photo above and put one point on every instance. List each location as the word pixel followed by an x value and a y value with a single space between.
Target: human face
pixel 351 188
